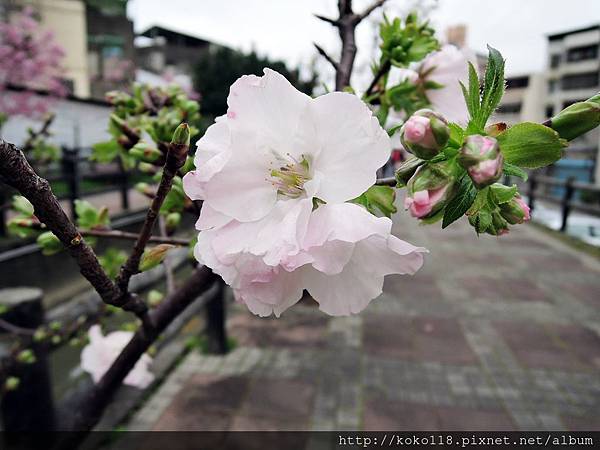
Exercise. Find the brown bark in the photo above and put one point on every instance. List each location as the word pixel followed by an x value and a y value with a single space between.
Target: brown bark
pixel 346 24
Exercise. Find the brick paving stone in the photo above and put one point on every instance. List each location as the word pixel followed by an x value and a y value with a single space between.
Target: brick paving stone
pixel 590 423
pixel 417 339
pixel 403 416
pixel 287 400
pixel 567 347
pixel 218 396
pixel 492 334
pixel 301 331
pixel 516 289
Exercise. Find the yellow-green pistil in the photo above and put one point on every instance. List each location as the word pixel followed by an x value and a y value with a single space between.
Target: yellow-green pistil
pixel 290 178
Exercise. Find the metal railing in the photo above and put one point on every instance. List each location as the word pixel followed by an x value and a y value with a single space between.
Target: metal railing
pixel 73 169
pixel 537 188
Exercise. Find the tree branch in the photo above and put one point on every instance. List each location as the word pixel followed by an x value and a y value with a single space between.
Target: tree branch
pixel 115 234
pixel 88 409
pixel 324 54
pixel 371 8
pixel 385 67
pixel 43 131
pixel 333 22
pixel 346 25
pixel 169 276
pixel 17 173
pixel 176 156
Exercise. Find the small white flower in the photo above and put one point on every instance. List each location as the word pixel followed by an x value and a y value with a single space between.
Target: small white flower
pixel 102 351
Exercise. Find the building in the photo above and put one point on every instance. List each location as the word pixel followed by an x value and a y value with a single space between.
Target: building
pixel 523 100
pixel 97 38
pixel 110 48
pixel 574 75
pixel 159 49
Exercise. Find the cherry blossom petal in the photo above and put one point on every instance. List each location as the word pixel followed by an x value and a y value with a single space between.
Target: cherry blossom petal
pixel 209 218
pixel 265 298
pixel 102 351
pixel 352 145
pixel 375 253
pixel 448 66
pixel 268 106
pixel 242 189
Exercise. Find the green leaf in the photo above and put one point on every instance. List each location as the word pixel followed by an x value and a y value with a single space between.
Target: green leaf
pixel 19 226
pixel 105 152
pixel 472 94
pixel 457 135
pixel 531 145
pixel 394 129
pixel 461 202
pixel 493 88
pixel 152 257
pixel 22 205
pixel 49 243
pixel 503 194
pixel 378 198
pixel 88 216
pixel 112 260
pixel 481 201
pixel 512 170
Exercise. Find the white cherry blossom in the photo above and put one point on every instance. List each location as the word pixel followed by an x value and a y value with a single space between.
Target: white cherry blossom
pixel 101 351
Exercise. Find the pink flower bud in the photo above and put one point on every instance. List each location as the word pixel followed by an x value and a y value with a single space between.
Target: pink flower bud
pixel 486 172
pixel 425 134
pixel 516 211
pixel 525 207
pixel 481 157
pixel 424 203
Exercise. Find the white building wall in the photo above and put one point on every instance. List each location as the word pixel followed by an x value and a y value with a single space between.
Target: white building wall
pixel 77 124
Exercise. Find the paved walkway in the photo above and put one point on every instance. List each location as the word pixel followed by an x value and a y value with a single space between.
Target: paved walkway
pixel 502 336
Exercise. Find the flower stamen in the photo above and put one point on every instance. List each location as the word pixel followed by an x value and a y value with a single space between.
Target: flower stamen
pixel 289 179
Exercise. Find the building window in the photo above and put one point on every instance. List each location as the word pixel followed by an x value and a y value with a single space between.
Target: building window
pixel 552 84
pixel 517 82
pixel 510 108
pixel 549 111
pixel 582 53
pixel 554 61
pixel 580 81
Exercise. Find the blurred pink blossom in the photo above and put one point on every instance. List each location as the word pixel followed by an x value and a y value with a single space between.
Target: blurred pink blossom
pixel 101 352
pixel 29 59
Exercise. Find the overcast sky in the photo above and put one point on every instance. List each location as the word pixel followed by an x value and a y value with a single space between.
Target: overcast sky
pixel 286 28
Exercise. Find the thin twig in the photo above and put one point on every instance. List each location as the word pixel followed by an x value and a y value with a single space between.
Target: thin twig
pixel 170 279
pixel 333 22
pixel 43 131
pixel 18 173
pixel 371 8
pixel 325 55
pixel 115 234
pixel 346 25
pixel 175 159
pixel 380 72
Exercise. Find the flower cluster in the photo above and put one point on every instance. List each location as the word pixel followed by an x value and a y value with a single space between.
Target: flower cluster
pixel 30 59
pixel 276 174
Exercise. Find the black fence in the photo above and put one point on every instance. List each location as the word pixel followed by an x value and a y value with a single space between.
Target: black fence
pixel 568 194
pixel 73 177
pixel 32 406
